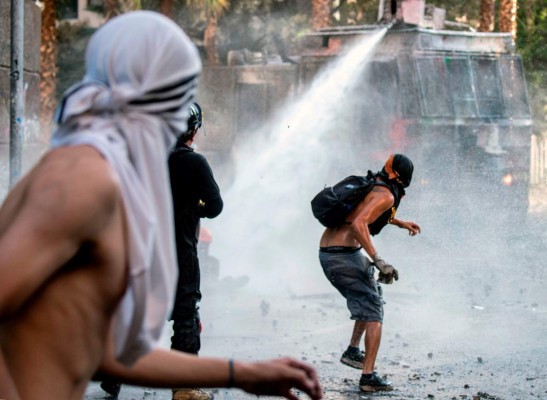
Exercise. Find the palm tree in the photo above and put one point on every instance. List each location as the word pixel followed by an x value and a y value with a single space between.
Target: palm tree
pixel 486 23
pixel 167 8
pixel 508 17
pixel 213 10
pixel 48 64
pixel 111 9
pixel 130 5
pixel 320 14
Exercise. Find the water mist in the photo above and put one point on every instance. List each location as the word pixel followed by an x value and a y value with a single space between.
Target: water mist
pixel 454 278
pixel 267 230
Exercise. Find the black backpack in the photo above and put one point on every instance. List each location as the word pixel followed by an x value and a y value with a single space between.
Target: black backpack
pixel 333 204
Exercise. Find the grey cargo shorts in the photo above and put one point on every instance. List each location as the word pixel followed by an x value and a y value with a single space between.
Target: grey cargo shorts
pixel 353 276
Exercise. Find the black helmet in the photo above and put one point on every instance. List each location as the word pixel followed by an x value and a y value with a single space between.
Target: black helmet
pixel 195 120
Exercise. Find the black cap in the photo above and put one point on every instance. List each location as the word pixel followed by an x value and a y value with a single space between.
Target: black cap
pixel 404 168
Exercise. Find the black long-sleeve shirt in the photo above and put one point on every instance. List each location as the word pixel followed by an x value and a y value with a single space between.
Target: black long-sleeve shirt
pixel 195 195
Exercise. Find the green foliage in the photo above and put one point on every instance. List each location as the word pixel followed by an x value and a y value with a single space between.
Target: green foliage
pixel 65 8
pixel 260 25
pixel 532 34
pixel 531 44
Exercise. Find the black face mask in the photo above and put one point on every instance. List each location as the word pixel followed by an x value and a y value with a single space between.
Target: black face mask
pixel 400 188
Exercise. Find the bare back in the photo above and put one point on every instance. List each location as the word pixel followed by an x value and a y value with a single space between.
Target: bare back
pixel 355 232
pixel 63 271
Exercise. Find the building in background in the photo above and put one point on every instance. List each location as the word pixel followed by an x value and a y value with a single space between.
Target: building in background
pixel 89 12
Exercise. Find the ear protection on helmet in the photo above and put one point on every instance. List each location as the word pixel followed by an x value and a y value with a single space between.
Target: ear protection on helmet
pixel 195 120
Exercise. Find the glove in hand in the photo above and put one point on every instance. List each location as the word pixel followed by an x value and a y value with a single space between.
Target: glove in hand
pixel 387 271
pixel 387 279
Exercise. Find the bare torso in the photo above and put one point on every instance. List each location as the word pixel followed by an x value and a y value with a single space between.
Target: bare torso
pixel 340 236
pixel 52 335
pixel 355 232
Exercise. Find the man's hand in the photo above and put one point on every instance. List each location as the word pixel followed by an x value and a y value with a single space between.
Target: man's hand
pixel 387 279
pixel 277 378
pixel 412 227
pixel 387 272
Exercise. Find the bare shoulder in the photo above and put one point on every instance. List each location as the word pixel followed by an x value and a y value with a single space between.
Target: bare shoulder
pixel 382 194
pixel 379 200
pixel 69 198
pixel 73 186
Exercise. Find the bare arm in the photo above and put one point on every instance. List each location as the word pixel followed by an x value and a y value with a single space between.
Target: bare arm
pixel 375 204
pixel 7 387
pixel 169 368
pixel 57 214
pixel 43 222
pixel 412 227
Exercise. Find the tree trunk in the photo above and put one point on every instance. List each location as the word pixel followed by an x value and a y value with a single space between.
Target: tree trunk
pixel 129 5
pixel 210 40
pixel 48 65
pixel 487 16
pixel 508 17
pixel 166 8
pixel 111 9
pixel 320 14
pixel 529 13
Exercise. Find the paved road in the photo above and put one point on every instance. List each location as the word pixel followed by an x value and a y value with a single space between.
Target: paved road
pixel 459 325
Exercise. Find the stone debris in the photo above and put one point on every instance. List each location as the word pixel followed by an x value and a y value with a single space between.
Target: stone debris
pixel 414 377
pixel 484 395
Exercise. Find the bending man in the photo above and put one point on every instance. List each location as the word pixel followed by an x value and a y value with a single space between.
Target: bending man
pixel 351 272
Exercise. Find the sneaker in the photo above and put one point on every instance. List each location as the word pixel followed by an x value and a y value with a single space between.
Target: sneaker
pixel 373 383
pixel 191 394
pixel 353 357
pixel 112 388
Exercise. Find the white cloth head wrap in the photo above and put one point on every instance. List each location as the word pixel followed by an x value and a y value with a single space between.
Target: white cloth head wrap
pixel 141 77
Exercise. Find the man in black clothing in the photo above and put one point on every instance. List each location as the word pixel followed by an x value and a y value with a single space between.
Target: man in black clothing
pixel 196 195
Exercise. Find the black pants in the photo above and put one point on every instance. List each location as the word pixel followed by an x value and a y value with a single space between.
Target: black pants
pixel 185 316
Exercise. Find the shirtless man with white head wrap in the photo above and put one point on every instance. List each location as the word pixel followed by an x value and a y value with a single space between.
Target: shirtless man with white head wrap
pixel 87 260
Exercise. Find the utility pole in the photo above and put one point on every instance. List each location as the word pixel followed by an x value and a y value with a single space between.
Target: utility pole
pixel 16 89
